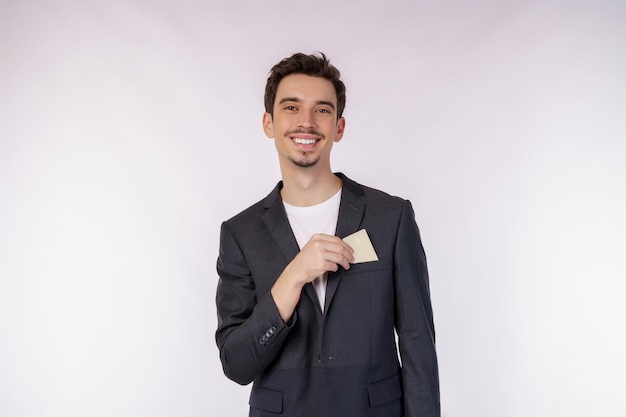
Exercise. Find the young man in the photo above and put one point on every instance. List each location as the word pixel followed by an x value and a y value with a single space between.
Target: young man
pixel 307 316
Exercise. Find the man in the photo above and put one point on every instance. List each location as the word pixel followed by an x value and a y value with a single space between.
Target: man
pixel 299 312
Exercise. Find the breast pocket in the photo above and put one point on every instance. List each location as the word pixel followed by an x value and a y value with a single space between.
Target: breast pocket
pixel 365 267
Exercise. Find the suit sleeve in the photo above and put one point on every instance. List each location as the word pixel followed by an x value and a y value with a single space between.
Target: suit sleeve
pixel 250 331
pixel 414 321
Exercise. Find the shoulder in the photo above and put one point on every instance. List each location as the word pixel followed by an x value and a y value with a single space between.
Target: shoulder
pixel 254 213
pixel 371 195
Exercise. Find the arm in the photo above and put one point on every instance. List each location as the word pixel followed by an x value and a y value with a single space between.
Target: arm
pixel 251 332
pixel 414 321
pixel 322 253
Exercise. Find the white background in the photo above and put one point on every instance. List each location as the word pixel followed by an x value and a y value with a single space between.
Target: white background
pixel 130 129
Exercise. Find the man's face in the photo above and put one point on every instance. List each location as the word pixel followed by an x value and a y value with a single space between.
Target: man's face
pixel 305 123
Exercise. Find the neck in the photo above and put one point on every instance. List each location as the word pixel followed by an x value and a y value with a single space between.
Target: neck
pixel 306 187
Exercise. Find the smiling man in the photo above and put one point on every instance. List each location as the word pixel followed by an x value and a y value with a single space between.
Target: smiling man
pixel 305 123
pixel 318 278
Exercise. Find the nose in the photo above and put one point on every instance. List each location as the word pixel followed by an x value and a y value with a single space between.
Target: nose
pixel 306 118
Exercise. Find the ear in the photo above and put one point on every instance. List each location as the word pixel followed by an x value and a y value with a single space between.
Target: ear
pixel 268 125
pixel 341 126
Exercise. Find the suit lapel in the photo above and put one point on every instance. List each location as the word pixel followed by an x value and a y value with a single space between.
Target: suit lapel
pixel 351 208
pixel 351 211
pixel 275 219
pixel 277 223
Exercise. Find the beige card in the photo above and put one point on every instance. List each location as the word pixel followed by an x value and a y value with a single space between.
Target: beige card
pixel 363 249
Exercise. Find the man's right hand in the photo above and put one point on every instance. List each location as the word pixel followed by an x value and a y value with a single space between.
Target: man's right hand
pixel 322 253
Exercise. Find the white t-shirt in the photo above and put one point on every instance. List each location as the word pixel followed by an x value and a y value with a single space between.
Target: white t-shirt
pixel 307 221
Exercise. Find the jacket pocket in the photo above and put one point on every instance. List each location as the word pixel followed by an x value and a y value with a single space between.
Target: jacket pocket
pixel 368 266
pixel 385 391
pixel 266 400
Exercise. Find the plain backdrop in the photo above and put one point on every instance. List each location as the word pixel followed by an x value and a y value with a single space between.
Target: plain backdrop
pixel 129 130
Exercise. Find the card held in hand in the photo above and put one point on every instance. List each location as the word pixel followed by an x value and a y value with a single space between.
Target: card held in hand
pixel 363 249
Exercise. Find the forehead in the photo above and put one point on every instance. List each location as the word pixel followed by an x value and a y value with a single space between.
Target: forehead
pixel 306 87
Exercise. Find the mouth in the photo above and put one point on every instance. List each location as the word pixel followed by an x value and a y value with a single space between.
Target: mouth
pixel 305 141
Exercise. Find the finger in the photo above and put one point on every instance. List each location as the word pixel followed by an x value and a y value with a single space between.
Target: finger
pixel 340 258
pixel 343 249
pixel 330 239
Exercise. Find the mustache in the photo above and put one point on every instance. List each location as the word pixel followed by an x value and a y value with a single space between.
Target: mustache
pixel 310 131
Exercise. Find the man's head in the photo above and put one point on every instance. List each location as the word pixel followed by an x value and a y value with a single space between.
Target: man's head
pixel 312 65
pixel 304 100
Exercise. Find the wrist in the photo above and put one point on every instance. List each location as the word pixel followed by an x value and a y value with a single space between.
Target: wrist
pixel 286 294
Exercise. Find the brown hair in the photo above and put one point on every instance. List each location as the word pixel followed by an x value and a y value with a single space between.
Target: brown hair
pixel 299 63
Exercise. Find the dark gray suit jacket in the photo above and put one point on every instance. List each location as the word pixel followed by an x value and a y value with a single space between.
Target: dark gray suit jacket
pixel 342 362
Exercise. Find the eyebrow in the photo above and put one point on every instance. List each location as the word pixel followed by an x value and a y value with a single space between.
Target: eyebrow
pixel 297 100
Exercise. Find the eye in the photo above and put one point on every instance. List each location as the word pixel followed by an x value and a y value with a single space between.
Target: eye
pixel 323 111
pixel 290 108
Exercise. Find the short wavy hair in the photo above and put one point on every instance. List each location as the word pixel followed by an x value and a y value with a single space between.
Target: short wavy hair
pixel 313 65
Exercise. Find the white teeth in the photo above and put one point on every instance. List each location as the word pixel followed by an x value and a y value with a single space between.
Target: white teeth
pixel 302 141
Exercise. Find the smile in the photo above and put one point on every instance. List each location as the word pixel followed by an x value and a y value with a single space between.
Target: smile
pixel 303 141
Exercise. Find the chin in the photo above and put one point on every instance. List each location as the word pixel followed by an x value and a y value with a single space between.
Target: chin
pixel 305 163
